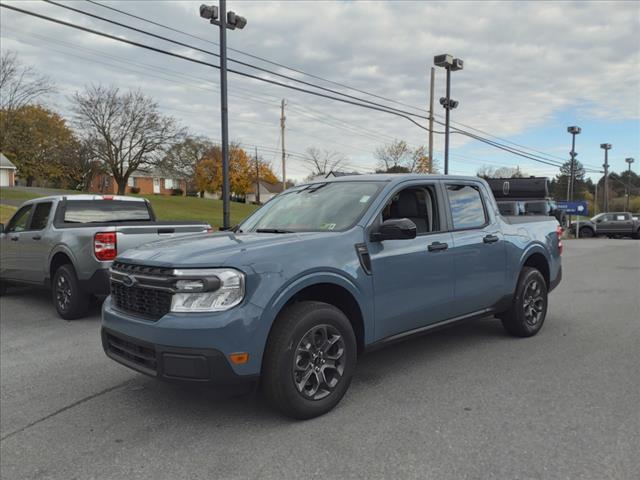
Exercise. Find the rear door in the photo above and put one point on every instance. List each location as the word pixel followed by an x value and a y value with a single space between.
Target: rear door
pixel 12 247
pixel 622 223
pixel 479 250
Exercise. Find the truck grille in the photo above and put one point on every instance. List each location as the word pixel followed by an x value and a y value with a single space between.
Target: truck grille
pixel 140 357
pixel 141 270
pixel 150 303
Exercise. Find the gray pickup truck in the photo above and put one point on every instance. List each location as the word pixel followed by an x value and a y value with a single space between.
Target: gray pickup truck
pixel 322 273
pixel 613 225
pixel 69 243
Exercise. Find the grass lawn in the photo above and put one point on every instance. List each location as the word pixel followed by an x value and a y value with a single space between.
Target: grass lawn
pixel 166 207
pixel 5 213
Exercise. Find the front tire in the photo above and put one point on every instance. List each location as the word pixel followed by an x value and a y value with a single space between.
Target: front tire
pixel 310 359
pixel 529 309
pixel 70 301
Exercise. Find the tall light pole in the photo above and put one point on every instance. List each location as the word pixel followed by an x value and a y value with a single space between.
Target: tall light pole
pixel 606 147
pixel 629 161
pixel 450 64
pixel 573 131
pixel 223 19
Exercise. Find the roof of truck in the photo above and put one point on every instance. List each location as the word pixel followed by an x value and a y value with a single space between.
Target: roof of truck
pixel 85 197
pixel 392 177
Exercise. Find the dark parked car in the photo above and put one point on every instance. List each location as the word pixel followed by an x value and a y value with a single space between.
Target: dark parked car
pixel 613 224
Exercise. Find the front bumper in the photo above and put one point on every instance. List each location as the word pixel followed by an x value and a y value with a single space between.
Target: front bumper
pixel 195 365
pixel 187 346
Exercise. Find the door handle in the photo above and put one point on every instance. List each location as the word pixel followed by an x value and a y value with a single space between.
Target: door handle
pixel 435 246
pixel 490 239
pixel 15 238
pixel 37 237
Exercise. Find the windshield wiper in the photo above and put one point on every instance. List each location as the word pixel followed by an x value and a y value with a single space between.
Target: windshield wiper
pixel 272 230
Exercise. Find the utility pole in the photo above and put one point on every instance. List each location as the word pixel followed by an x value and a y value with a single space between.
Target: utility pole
pixel 257 178
pixel 629 161
pixel 223 19
pixel 595 200
pixel 606 147
pixel 431 92
pixel 284 171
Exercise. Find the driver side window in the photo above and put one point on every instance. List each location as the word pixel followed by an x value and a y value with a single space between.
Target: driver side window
pixel 20 220
pixel 416 203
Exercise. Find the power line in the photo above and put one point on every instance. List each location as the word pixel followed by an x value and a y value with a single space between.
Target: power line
pixel 369 105
pixel 257 57
pixel 201 62
pixel 421 109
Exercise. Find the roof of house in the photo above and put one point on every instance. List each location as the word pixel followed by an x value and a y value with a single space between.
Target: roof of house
pixel 6 163
pixel 269 187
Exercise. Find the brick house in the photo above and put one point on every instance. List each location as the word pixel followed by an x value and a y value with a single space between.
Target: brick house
pixel 148 183
pixel 7 172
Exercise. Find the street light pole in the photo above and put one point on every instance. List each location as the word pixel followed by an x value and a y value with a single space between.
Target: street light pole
pixel 573 131
pixel 606 147
pixel 629 161
pixel 449 64
pixel 223 19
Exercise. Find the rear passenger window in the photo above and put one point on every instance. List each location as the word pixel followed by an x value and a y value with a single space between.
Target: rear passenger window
pixel 40 216
pixel 467 210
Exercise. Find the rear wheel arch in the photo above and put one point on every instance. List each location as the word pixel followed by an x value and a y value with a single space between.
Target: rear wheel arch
pixel 60 258
pixel 538 261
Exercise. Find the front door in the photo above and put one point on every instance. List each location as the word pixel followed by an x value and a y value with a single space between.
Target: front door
pixel 156 185
pixel 35 245
pixel 12 245
pixel 413 282
pixel 478 249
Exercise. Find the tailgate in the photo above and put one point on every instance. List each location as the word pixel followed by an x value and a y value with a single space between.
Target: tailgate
pixel 133 236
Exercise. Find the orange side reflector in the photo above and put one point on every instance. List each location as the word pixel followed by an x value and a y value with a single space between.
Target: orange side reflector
pixel 239 358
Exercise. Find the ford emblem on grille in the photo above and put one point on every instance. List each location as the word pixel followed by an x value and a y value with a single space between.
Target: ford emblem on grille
pixel 128 280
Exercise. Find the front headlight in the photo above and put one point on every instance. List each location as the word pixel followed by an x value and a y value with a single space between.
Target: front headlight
pixel 207 290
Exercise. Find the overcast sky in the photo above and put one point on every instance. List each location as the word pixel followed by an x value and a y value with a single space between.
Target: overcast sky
pixel 531 69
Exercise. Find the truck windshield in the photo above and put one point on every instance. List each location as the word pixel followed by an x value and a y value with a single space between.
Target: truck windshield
pixel 331 206
pixel 105 211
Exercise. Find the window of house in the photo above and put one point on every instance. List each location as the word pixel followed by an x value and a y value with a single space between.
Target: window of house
pixel 168 183
pixel 131 182
pixel 467 210
pixel 40 216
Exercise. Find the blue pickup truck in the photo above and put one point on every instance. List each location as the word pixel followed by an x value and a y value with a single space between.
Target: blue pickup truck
pixel 322 273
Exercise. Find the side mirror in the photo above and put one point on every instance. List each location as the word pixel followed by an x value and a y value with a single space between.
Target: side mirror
pixel 599 220
pixel 395 229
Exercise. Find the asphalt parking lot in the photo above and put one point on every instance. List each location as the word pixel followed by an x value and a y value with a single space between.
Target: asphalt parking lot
pixel 468 402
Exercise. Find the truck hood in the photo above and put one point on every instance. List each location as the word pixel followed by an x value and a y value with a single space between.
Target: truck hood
pixel 210 250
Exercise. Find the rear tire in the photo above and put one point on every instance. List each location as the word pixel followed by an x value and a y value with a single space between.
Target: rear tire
pixel 309 360
pixel 529 308
pixel 586 232
pixel 70 301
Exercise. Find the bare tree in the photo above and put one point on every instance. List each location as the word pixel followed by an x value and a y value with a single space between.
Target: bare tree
pixel 398 157
pixel 126 130
pixel 183 157
pixel 20 85
pixel 79 165
pixel 392 155
pixel 323 161
pixel 502 172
